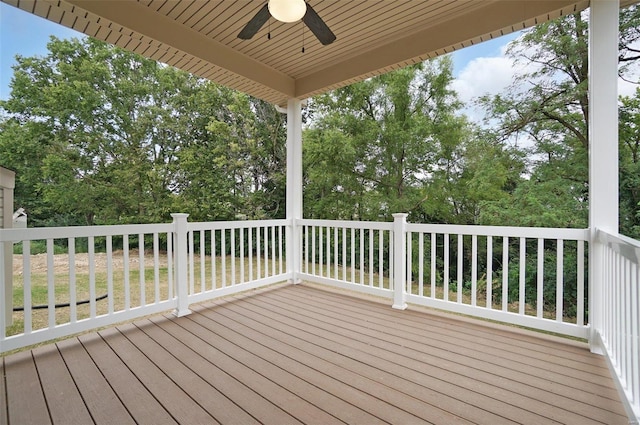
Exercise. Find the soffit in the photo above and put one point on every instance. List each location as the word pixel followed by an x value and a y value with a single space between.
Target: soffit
pixel 373 36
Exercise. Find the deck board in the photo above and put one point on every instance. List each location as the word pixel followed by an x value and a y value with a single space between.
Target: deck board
pixel 64 400
pixel 454 345
pixel 102 402
pixel 25 399
pixel 300 354
pixel 142 406
pixel 468 372
pixel 176 401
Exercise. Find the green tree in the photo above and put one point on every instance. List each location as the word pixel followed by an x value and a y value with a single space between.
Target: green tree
pixel 375 144
pixel 549 106
pixel 630 165
pixel 101 135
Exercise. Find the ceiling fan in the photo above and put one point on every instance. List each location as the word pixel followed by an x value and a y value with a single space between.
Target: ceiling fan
pixel 289 11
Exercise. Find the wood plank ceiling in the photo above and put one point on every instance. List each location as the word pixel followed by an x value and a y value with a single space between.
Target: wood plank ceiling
pixel 373 36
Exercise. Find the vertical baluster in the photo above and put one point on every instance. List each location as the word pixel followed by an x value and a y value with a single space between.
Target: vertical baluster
pixel 266 251
pixel 141 280
pixel 344 254
pixel 109 274
pixel 460 269
pixel 521 288
pixel 320 250
pixel 391 259
pixel 214 260
pixel 446 267
pixel 474 270
pixel 328 245
pixel 380 259
pixel 26 287
pixel 408 283
pixel 505 273
pixel 242 255
pixel 306 249
pixel 233 256
pixel 489 272
pixel 433 265
pixel 280 248
pixel 73 308
pixel 628 355
pixel 580 284
pixel 170 277
pixel 156 268
pixel 618 306
pixel 92 277
pixel 273 250
pixel 223 255
pixel 125 259
pixel 313 250
pixel 362 249
pixel 371 257
pixel 192 276
pixel 51 286
pixel 258 255
pixel 203 259
pixel 353 255
pixel 336 263
pixel 560 280
pixel 540 286
pixel 250 234
pixel 618 329
pixel 421 264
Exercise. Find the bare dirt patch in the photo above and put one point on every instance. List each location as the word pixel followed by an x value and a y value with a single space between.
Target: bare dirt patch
pixel 39 262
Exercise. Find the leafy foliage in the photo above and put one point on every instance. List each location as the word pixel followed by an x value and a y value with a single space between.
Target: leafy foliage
pixel 100 135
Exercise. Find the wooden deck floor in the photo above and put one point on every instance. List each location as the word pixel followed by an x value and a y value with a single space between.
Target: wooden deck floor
pixel 299 354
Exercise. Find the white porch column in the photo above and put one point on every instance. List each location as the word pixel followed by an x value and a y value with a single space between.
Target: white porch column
pixel 180 248
pixel 294 186
pixel 399 261
pixel 603 143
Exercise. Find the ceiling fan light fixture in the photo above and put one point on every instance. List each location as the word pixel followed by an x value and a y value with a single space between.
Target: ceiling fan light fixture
pixel 287 10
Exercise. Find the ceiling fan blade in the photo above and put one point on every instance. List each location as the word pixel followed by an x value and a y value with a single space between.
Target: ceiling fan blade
pixel 254 25
pixel 318 27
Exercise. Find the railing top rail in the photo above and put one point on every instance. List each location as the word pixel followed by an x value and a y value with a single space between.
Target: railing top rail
pixel 522 232
pixel 376 225
pixel 40 233
pixel 623 245
pixel 240 224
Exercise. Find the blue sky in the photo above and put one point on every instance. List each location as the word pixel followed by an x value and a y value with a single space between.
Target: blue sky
pixel 27 35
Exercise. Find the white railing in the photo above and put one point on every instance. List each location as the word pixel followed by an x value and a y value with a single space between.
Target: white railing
pixel 354 255
pixel 619 322
pixel 532 277
pixel 227 257
pixel 73 279
pixel 101 278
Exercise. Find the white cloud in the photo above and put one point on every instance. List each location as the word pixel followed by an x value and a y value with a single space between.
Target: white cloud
pixel 494 75
pixel 482 75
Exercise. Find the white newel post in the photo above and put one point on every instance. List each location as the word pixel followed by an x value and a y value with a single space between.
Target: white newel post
pixel 180 247
pixel 7 185
pixel 399 260
pixel 294 187
pixel 603 145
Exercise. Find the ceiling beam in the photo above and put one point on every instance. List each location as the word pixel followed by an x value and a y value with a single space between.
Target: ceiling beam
pixel 485 20
pixel 145 21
